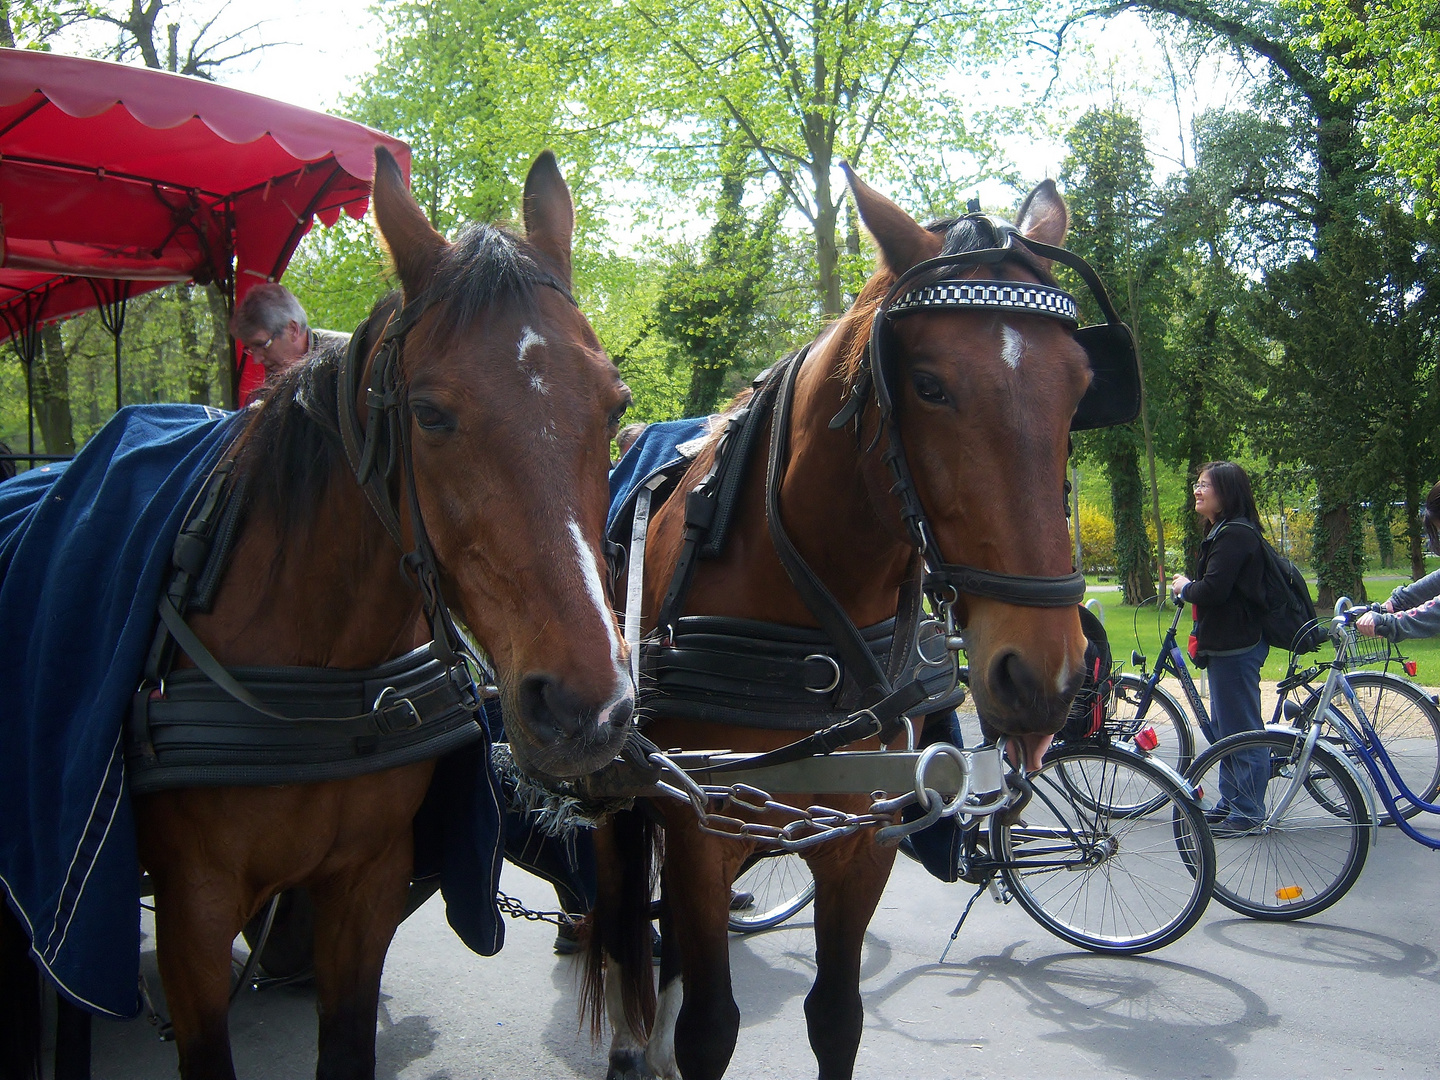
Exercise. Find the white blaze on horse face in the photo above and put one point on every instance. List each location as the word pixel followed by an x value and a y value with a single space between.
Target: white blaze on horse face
pixel 1012 347
pixel 529 339
pixel 596 591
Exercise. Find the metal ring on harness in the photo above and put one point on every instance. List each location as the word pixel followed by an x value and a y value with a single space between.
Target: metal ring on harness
pixel 834 682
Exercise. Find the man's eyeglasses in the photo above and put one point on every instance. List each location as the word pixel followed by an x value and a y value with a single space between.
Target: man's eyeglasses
pixel 263 346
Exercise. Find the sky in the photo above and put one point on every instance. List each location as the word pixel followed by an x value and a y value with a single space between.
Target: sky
pixel 318 51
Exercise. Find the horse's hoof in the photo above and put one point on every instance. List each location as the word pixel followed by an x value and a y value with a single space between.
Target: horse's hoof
pixel 629 1065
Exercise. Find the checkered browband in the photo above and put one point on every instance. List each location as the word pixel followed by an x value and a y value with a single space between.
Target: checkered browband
pixel 1026 298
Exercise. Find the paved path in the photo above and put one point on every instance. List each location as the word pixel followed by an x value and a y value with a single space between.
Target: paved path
pixel 1352 992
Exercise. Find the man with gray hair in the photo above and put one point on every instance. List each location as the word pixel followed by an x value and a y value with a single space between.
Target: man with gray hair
pixel 274 329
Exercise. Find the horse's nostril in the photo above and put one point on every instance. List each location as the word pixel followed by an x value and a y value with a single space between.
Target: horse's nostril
pixel 1013 681
pixel 621 712
pixel 552 710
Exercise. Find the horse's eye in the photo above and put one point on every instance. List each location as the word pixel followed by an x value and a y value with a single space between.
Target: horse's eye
pixel 619 413
pixel 430 418
pixel 929 388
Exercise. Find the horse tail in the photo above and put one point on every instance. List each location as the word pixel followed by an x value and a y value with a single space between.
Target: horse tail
pixel 19 1002
pixel 625 849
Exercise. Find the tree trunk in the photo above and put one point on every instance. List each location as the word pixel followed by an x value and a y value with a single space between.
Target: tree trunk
pixel 1339 551
pixel 51 381
pixel 1384 537
pixel 222 354
pixel 1134 563
pixel 1412 527
pixel 198 367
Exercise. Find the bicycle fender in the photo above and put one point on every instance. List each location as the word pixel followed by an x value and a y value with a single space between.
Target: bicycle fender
pixel 1363 782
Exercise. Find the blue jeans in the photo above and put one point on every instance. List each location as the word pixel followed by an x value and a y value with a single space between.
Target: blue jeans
pixel 1235 707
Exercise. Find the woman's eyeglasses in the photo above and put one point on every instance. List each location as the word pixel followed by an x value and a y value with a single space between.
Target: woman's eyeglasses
pixel 1201 485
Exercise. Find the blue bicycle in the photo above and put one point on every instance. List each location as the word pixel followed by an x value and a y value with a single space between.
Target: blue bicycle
pixel 1311 782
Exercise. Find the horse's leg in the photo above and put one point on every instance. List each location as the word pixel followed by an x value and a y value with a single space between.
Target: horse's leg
pixel 197 916
pixel 660 1051
pixel 356 912
pixel 849 878
pixel 619 958
pixel 698 872
pixel 19 1001
pixel 72 1042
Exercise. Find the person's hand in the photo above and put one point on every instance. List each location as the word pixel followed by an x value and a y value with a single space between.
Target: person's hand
pixel 1389 606
pixel 1178 582
pixel 1366 624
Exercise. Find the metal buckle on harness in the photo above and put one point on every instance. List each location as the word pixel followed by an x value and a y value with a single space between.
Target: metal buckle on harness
pixel 401 715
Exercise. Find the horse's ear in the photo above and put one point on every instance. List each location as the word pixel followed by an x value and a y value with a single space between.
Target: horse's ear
pixel 549 213
pixel 1043 215
pixel 902 240
pixel 413 243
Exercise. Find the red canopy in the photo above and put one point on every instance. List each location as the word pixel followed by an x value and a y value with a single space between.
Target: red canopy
pixel 115 180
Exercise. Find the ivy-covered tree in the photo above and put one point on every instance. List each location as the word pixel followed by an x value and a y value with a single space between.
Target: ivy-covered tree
pixel 1107 180
pixel 706 307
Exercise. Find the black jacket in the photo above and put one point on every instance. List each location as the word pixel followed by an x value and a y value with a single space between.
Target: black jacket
pixel 1229 575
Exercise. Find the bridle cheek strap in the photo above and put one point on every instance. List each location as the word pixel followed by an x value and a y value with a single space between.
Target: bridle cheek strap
pixel 906 296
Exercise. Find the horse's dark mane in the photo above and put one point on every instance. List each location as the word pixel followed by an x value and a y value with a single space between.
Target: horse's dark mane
pixel 292 446
pixel 962 234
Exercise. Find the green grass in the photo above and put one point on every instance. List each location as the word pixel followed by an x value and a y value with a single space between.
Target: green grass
pixel 1143 627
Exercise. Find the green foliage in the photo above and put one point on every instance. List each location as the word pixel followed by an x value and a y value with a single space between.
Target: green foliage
pixel 1386 54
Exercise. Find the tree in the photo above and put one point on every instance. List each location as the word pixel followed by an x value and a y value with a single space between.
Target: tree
pixel 1386 54
pixel 1303 205
pixel 706 308
pixel 875 84
pixel 1108 187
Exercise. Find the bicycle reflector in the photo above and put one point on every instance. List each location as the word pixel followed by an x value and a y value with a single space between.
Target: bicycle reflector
pixel 1289 892
pixel 1411 667
pixel 1146 739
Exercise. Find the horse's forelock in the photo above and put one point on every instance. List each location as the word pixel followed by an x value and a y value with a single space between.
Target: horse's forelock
pixel 485 266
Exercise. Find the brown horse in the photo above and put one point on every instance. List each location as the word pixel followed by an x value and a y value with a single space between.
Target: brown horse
pixel 505 404
pixel 983 403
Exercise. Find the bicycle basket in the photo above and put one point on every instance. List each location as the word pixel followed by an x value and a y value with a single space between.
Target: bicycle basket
pixel 1088 710
pixel 1362 651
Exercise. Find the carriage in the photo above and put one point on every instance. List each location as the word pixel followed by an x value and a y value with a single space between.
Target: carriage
pixel 468 426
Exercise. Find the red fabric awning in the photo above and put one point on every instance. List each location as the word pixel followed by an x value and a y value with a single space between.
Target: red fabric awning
pixel 110 172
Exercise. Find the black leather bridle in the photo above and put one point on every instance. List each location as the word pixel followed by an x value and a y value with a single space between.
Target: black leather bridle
pixel 374 448
pixel 931 286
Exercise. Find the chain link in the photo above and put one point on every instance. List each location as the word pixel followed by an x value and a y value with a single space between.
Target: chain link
pixel 516 910
pixel 815 824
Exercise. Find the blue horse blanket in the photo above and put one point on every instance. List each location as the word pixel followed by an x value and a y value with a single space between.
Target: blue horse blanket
pixel 84 551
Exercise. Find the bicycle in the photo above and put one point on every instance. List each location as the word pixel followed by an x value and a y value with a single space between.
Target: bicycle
pixel 777 884
pixel 1111 852
pixel 1317 816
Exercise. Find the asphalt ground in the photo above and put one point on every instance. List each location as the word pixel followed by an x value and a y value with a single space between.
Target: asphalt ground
pixel 1351 992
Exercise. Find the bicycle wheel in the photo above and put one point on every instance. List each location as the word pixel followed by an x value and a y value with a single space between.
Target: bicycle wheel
pixel 1176 737
pixel 1112 883
pixel 1309 857
pixel 1408 724
pixel 781 885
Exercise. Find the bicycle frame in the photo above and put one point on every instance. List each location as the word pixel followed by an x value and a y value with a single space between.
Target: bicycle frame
pixel 1360 736
pixel 1172 659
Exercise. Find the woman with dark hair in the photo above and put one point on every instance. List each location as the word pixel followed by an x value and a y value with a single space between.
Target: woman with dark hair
pixel 1230 643
pixel 1413 611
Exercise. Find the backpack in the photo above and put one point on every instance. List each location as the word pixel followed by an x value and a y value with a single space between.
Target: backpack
pixel 1285 603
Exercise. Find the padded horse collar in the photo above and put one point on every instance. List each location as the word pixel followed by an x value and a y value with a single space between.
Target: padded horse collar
pixel 926 287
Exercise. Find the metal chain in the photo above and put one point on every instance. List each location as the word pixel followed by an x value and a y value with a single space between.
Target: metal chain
pixel 516 910
pixel 816 824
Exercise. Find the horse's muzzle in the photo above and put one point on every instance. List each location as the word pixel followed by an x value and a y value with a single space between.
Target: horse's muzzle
pixel 567 734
